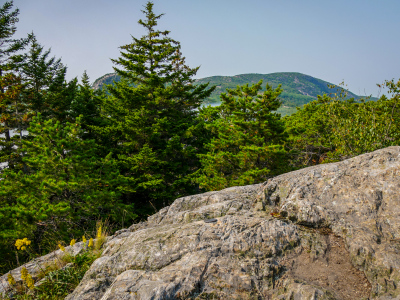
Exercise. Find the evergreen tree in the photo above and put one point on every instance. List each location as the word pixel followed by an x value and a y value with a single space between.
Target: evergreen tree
pixel 149 113
pixel 11 106
pixel 66 189
pixel 13 118
pixel 87 103
pixel 46 89
pixel 249 138
pixel 9 47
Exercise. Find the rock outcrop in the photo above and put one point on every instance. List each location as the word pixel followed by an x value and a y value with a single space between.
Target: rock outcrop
pixel 326 232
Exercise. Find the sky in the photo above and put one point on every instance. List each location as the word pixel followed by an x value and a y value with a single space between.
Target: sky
pixel 355 41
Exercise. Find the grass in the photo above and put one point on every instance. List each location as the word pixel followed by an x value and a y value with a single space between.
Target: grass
pixel 58 279
pixel 58 284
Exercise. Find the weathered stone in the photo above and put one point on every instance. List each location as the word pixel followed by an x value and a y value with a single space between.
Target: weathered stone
pixel 359 199
pixel 326 232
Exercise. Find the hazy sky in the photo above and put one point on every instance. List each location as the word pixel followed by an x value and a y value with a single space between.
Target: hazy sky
pixel 352 40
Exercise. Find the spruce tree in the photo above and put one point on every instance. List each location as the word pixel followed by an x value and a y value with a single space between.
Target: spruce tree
pixel 149 113
pixel 11 106
pixel 87 104
pixel 13 119
pixel 66 189
pixel 46 89
pixel 249 138
pixel 9 57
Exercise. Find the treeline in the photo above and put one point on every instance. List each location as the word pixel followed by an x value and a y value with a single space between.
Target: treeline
pixel 71 155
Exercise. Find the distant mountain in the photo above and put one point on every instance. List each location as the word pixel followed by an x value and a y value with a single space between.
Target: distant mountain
pixel 105 79
pixel 298 89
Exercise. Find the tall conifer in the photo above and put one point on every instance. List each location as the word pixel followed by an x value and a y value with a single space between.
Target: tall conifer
pixel 149 113
pixel 46 89
pixel 11 105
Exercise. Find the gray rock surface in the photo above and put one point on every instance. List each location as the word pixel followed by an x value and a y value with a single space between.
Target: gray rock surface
pixel 326 232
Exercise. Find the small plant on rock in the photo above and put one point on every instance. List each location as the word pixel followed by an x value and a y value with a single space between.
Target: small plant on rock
pixel 58 279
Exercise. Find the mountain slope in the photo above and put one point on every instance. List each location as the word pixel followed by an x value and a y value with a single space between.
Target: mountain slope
pixel 298 89
pixel 105 79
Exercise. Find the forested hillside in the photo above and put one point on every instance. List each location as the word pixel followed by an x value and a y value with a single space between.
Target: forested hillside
pixel 298 89
pixel 126 151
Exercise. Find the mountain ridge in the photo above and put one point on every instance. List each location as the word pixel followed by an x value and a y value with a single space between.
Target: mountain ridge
pixel 298 89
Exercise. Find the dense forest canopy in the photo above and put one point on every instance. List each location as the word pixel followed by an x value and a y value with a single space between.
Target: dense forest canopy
pixel 125 151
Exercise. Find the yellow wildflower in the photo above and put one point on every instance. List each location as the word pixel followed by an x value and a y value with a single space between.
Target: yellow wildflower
pixel 84 239
pixel 99 232
pixel 61 247
pixel 24 274
pixel 11 279
pixel 29 282
pixel 90 243
pixel 72 242
pixel 21 244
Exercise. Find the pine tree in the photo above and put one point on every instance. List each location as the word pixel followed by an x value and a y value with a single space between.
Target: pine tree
pixel 149 113
pixel 249 139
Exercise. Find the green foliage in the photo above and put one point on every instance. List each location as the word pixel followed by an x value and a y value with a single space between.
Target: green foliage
pixel 248 143
pixel 46 90
pixel 298 89
pixel 60 278
pixel 86 104
pixel 9 57
pixel 148 115
pixel 13 118
pixel 52 179
pixel 334 127
pixel 11 108
pixel 59 283
pixel 66 189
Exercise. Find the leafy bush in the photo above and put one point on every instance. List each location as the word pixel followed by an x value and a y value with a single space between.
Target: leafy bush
pixel 335 128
